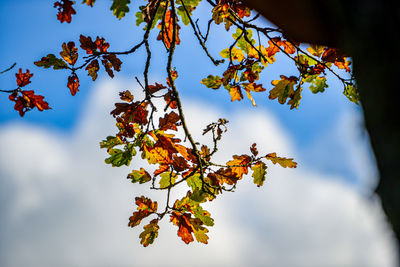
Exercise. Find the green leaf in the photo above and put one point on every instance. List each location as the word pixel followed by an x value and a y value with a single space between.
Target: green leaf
pixel 167 179
pixel 294 102
pixel 141 176
pixel 120 157
pixel 110 142
pixel 150 233
pixel 318 84
pixel 194 182
pixel 51 61
pixel 213 82
pixel 242 43
pixel 351 93
pixel 182 13
pixel 259 172
pixel 284 88
pixel 120 8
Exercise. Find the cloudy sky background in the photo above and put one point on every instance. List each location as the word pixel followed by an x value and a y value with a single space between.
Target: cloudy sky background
pixel 62 206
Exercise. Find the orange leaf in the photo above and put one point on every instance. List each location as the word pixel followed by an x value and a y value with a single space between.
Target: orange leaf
pixel 239 164
pixel 23 78
pixel 73 83
pixel 69 53
pixel 169 121
pixel 236 93
pixel 167 31
pixel 183 222
pixel 65 10
pixel 87 44
pixel 145 207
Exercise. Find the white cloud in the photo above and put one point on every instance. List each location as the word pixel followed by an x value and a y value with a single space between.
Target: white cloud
pixel 62 206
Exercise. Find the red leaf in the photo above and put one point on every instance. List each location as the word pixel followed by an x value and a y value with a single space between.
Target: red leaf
pixel 73 83
pixel 23 78
pixel 27 101
pixel 87 44
pixel 65 10
pixel 169 121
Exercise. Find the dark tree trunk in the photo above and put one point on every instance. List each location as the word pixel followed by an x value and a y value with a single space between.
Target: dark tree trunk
pixel 369 32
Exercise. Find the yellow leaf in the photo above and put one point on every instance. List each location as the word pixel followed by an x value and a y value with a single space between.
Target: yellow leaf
pixel 284 162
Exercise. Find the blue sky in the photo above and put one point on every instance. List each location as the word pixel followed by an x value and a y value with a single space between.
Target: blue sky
pixel 325 135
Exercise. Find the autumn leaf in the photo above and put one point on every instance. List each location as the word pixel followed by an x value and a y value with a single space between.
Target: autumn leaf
pixel 167 30
pixel 239 164
pixel 101 44
pixel 141 176
pixel 120 157
pixel 283 88
pixel 89 2
pixel 316 50
pixel 284 162
pixel 294 101
pixel 73 83
pixel 351 93
pixel 110 142
pixel 120 8
pixel 87 44
pixel 155 88
pixel 156 155
pixel 232 54
pixel 345 64
pixel 170 121
pixel 235 92
pixel 227 176
pixel 23 78
pixel 188 225
pixel 126 96
pixel 150 233
pixel 92 68
pixel 259 171
pixel 51 61
pixel 145 208
pixel 213 82
pixel 318 84
pixel 109 62
pixel 27 100
pixel 65 10
pixel 183 222
pixel 69 53
pixel 253 149
pixel 167 179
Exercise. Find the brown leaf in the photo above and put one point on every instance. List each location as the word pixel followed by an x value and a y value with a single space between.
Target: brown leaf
pixel 169 121
pixel 73 83
pixel 65 10
pixel 23 78
pixel 69 53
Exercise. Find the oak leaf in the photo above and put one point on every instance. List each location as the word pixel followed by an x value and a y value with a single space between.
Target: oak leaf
pixel 51 61
pixel 259 171
pixel 240 164
pixel 69 53
pixel 141 176
pixel 150 233
pixel 284 162
pixel 170 121
pixel 73 84
pixel 145 208
pixel 92 68
pixel 65 10
pixel 283 88
pixel 23 78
